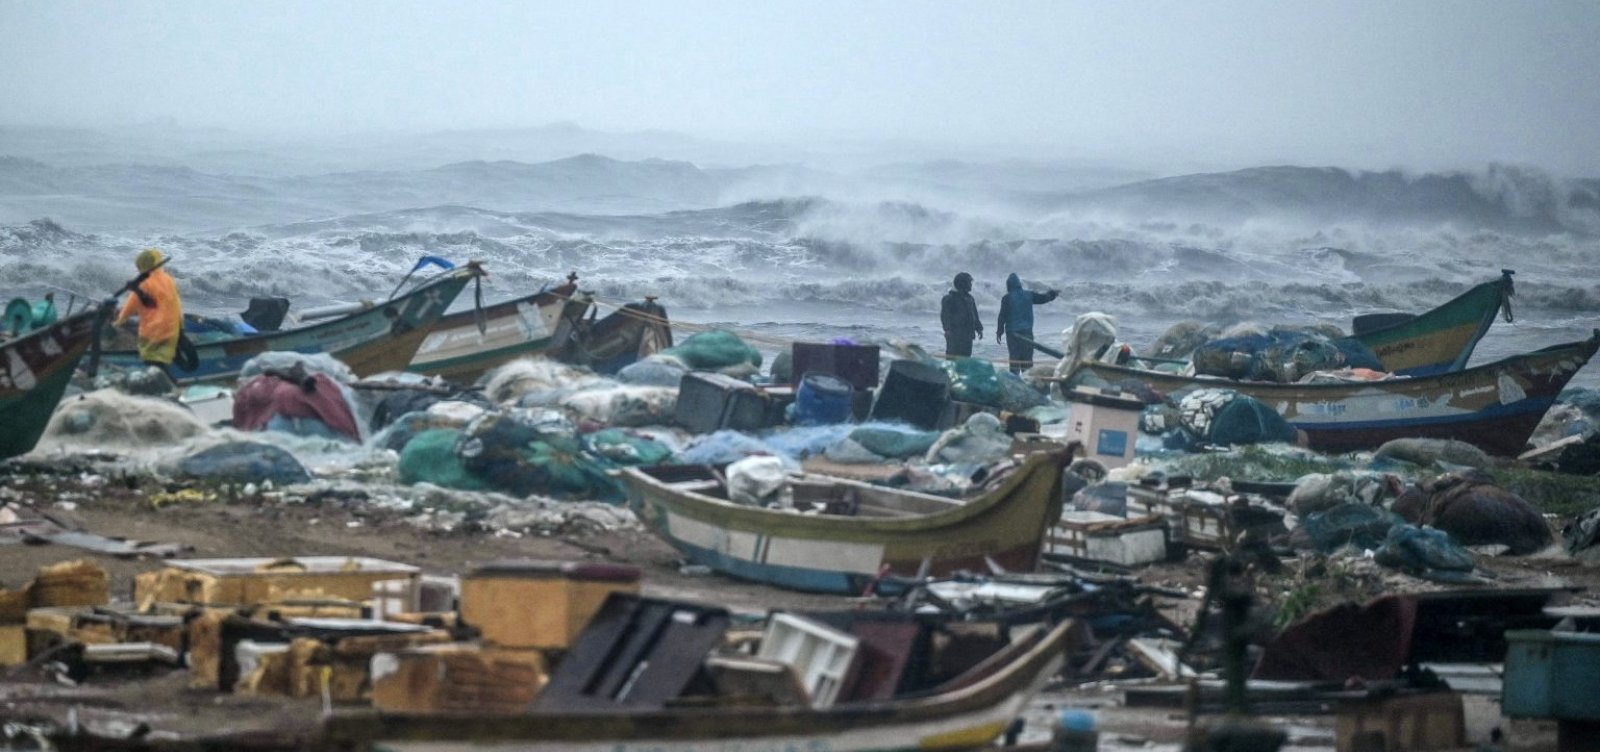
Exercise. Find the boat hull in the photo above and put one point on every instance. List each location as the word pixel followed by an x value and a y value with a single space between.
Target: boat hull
pixel 34 373
pixel 1443 339
pixel 382 338
pixel 968 717
pixel 842 554
pixel 457 349
pixel 1494 406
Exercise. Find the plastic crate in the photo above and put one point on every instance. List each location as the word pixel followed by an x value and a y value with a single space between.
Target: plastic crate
pixel 857 364
pixel 711 401
pixel 1552 675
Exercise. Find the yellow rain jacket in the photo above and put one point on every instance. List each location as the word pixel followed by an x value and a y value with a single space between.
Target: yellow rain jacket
pixel 159 323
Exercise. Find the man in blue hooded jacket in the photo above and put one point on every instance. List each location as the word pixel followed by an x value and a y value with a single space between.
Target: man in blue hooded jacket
pixel 1016 316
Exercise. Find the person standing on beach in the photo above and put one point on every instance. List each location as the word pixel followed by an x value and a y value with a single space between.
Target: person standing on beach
pixel 154 299
pixel 1016 317
pixel 958 313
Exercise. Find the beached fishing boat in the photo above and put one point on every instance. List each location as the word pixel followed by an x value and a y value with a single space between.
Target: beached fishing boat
pixel 463 345
pixel 967 712
pixel 863 533
pixel 625 336
pixel 1495 406
pixel 382 337
pixel 34 371
pixel 1440 340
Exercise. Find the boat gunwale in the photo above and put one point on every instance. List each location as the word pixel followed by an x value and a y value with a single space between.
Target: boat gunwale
pixel 67 324
pixel 1353 389
pixel 1503 282
pixel 728 515
pixel 1026 670
pixel 495 310
pixel 465 274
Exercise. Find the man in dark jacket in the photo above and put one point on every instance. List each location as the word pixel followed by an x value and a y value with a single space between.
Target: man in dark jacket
pixel 959 315
pixel 1016 317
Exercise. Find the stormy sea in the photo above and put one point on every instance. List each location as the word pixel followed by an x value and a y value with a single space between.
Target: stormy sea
pixel 858 247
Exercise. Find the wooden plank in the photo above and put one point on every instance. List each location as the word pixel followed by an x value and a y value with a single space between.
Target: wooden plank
pixel 1160 655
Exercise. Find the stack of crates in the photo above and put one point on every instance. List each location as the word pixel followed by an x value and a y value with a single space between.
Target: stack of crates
pixel 1162 498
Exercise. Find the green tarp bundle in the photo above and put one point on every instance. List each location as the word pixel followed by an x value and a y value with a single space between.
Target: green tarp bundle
pixel 714 350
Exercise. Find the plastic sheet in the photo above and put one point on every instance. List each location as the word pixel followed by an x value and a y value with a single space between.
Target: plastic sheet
pixel 1281 356
pixel 1090 334
pixel 244 462
pixel 755 481
pixel 1358 525
pixel 1423 551
pixel 981 440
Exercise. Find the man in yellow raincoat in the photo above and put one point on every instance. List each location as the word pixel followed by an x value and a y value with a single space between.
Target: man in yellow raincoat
pixel 155 301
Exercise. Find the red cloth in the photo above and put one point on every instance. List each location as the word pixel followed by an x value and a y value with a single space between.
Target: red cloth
pixel 261 398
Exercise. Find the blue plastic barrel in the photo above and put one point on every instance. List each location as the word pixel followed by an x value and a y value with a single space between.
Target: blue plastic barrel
pixel 822 400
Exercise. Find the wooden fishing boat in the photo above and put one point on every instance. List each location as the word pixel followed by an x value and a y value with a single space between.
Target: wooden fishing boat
pixel 463 345
pixel 623 337
pixel 549 322
pixel 968 712
pixel 1441 340
pixel 34 371
pixel 864 532
pixel 383 337
pixel 1495 406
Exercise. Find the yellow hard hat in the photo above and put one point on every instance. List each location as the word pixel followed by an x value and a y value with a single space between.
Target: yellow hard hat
pixel 147 260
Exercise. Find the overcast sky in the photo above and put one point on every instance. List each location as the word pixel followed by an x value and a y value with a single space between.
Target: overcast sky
pixel 1374 84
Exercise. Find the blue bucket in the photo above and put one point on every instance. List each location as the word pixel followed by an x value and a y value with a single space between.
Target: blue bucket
pixel 822 400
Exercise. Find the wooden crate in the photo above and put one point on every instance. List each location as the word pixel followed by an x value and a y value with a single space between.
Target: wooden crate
pixel 14 604
pixel 1206 519
pixel 1158 500
pixel 13 645
pixel 71 583
pixel 1434 720
pixel 1128 542
pixel 243 582
pixel 457 677
pixel 536 604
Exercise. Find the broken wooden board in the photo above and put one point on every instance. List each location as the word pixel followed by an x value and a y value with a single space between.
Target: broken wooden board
pixel 121 548
pixel 1160 655
pixel 250 581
